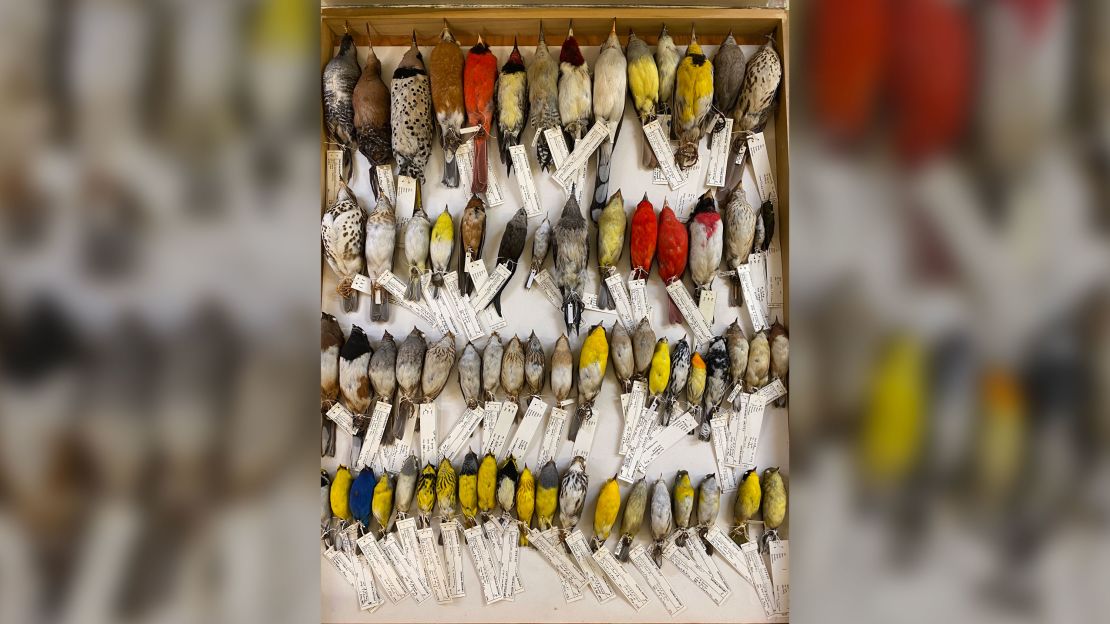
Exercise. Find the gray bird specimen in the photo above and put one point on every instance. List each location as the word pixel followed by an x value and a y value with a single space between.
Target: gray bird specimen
pixel 325 505
pixel 683 499
pixel 765 228
pixel 543 99
pixel 549 480
pixel 507 476
pixel 620 356
pixel 472 236
pixel 438 361
pixel 541 243
pixel 491 366
pixel 633 517
pixel 470 375
pixel 571 255
pixel 446 74
pixel 411 114
pixel 709 503
pixel 575 93
pixel 331 340
pixel 512 104
pixel 643 347
pixel 676 383
pixel 610 86
pixel 512 371
pixel 340 76
pixel 728 75
pixel 667 58
pixel 381 239
pixel 510 249
pixel 740 222
pixel 535 363
pixel 406 485
pixel 418 239
pixel 354 363
pixel 759 362
pixel 572 494
pixel 780 356
pixel 716 383
pixel 342 233
pixel 643 83
pixel 757 94
pixel 660 513
pixel 383 377
pixel 410 361
pixel 562 369
pixel 371 108
pixel 737 344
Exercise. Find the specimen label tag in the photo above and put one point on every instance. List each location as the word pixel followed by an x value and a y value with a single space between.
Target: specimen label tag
pixel 737 424
pixel 483 564
pixel 775 299
pixel 681 298
pixel 374 433
pixel 584 441
pixel 489 419
pixel 460 308
pixel 780 574
pixel 665 438
pixel 741 154
pixel 385 183
pixel 500 435
pixel 406 531
pixel 394 286
pixel 342 417
pixel 621 578
pixel 404 446
pixel 432 302
pixel 404 568
pixel 465 154
pixel 527 428
pixel 566 172
pixel 485 293
pixel 429 448
pixel 696 548
pixel 635 451
pixel 491 320
pixel 761 165
pixel 526 182
pixel 657 138
pixel 452 550
pixel 719 435
pixel 477 270
pixel 638 297
pixel 718 155
pixel 615 282
pixel 684 207
pixel 757 571
pixel 494 531
pixel 341 563
pixel 510 561
pixel 562 567
pixel 758 263
pixel 707 303
pixel 752 297
pixel 334 171
pixel 549 289
pixel 460 434
pixel 655 579
pixel 559 153
pixel 728 549
pixel 406 195
pixel 368 598
pixel 753 425
pixel 552 433
pixel 469 129
pixel 697 576
pixel 581 552
pixel 394 587
pixel 632 415
pixel 433 568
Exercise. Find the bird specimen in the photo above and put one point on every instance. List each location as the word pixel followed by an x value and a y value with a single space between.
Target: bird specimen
pixel 660 518
pixel 706 244
pixel 331 340
pixel 543 99
pixel 354 367
pixel 382 505
pixel 610 244
pixel 491 366
pixel 381 238
pixel 571 254
pixel 591 372
pixel 340 76
pixel 473 235
pixel 610 82
pixel 440 248
pixel 765 226
pixel 508 252
pixel 479 82
pixel 507 476
pixel 671 249
pixel 417 234
pixel 643 347
pixel 683 499
pixel 643 238
pixel 383 378
pixel 620 352
pixel 362 495
pixel 371 115
pixel 716 383
pixel 446 486
pixel 468 488
pixel 632 517
pixel 676 384
pixel 660 371
pixel 446 72
pixel 525 502
pixel 737 344
pixel 534 364
pixel 470 375
pixel 340 493
pixel 405 487
pixel 728 75
pixel 709 504
pixel 342 232
pixel 547 495
pixel 773 505
pixel 512 371
pixel 411 114
pixel 426 495
pixel 780 356
pixel 574 90
pixel 643 84
pixel 667 59
pixel 605 512
pixel 487 485
pixel 693 96
pixel 410 362
pixel 438 361
pixel 739 219
pixel 572 494
pixel 562 370
pixel 512 104
pixel 748 498
pixel 541 243
pixel 757 93
pixel 695 386
pixel 759 362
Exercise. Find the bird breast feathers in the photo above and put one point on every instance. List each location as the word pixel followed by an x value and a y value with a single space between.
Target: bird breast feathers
pixel 510 96
pixel 612 78
pixel 643 79
pixel 574 93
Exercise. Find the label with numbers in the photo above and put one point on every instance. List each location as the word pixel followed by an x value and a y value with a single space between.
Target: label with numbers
pixel 491 320
pixel 726 475
pixel 620 577
pixel 551 551
pixel 761 165
pixel 334 173
pixel 685 304
pixel 465 154
pixel 690 570
pixel 584 441
pixel 638 298
pixel 404 446
pixel 775 299
pixel 383 569
pixel 432 303
pixel 385 183
pixel 549 289
pixel 567 171
pixel 615 283
pixel 406 195
pixel 630 465
pixel 404 568
pixel 757 571
pixel 452 551
pixel 729 550
pixel 496 442
pixel 459 308
pixel 368 598
pixel 374 433
pixel 718 155
pixel 696 549
pixel 341 563
pixel 655 579
pixel 429 447
pixel 571 592
pixel 667 437
pixel 494 534
pixel 684 207
pixel 484 295
pixel 707 303
pixel 433 568
pixel 559 153
pixel 527 428
pixel 753 425
pixel 780 574
pixel 483 564
pixel 758 269
pixel 531 198
pixel 510 561
pixel 489 418
pixel 741 154
pixel 460 434
pixel 395 287
pixel 410 544
pixel 752 298
pixel 632 415
pixel 657 138
pixel 342 417
pixel 576 541
pixel 552 434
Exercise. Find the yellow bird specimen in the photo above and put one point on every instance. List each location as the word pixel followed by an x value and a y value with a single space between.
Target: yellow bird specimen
pixel 605 512
pixel 660 371
pixel 525 501
pixel 693 97
pixel 487 484
pixel 340 491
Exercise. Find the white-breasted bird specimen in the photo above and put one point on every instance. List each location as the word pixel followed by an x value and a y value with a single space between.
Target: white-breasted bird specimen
pixel 706 244
pixel 410 100
pixel 660 514
pixel 343 232
pixel 541 243
pixel 610 84
pixel 759 362
pixel 381 239
pixel 491 366
pixel 575 93
pixel 543 99
pixel 470 375
pixel 418 238
pixel 512 104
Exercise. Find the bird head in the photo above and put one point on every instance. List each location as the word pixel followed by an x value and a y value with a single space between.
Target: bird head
pixel 570 52
pixel 445 34
pixel 516 61
pixel 412 60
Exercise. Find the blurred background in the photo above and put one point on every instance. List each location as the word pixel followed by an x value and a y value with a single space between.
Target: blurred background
pixel 159 267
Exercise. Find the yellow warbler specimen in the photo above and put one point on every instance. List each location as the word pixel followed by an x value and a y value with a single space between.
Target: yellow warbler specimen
pixel 440 249
pixel 547 495
pixel 643 84
pixel 382 505
pixel 340 492
pixel 605 512
pixel 525 501
pixel 660 371
pixel 748 499
pixel 468 488
pixel 683 505
pixel 487 484
pixel 693 97
pixel 774 505
pixel 591 371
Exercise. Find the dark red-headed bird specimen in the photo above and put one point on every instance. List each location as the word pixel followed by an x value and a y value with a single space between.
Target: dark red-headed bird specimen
pixel 479 84
pixel 512 104
pixel 642 238
pixel 672 249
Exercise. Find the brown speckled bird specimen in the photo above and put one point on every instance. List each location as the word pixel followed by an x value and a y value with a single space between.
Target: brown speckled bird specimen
pixel 410 364
pixel 757 95
pixel 439 359
pixel 512 104
pixel 472 228
pixel 740 223
pixel 543 99
pixel 410 98
pixel 343 232
pixel 340 76
pixel 512 371
pixel 535 363
pixel 446 71
pixel 371 104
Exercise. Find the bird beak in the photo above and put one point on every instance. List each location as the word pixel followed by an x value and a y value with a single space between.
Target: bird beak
pixel 663 33
pixel 479 39
pixel 613 29
pixel 542 40
pixel 645 198
pixel 414 38
pixel 570 28
pixel 693 36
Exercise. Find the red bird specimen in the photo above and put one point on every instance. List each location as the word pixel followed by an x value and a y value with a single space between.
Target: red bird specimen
pixel 479 83
pixel 673 244
pixel 642 238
